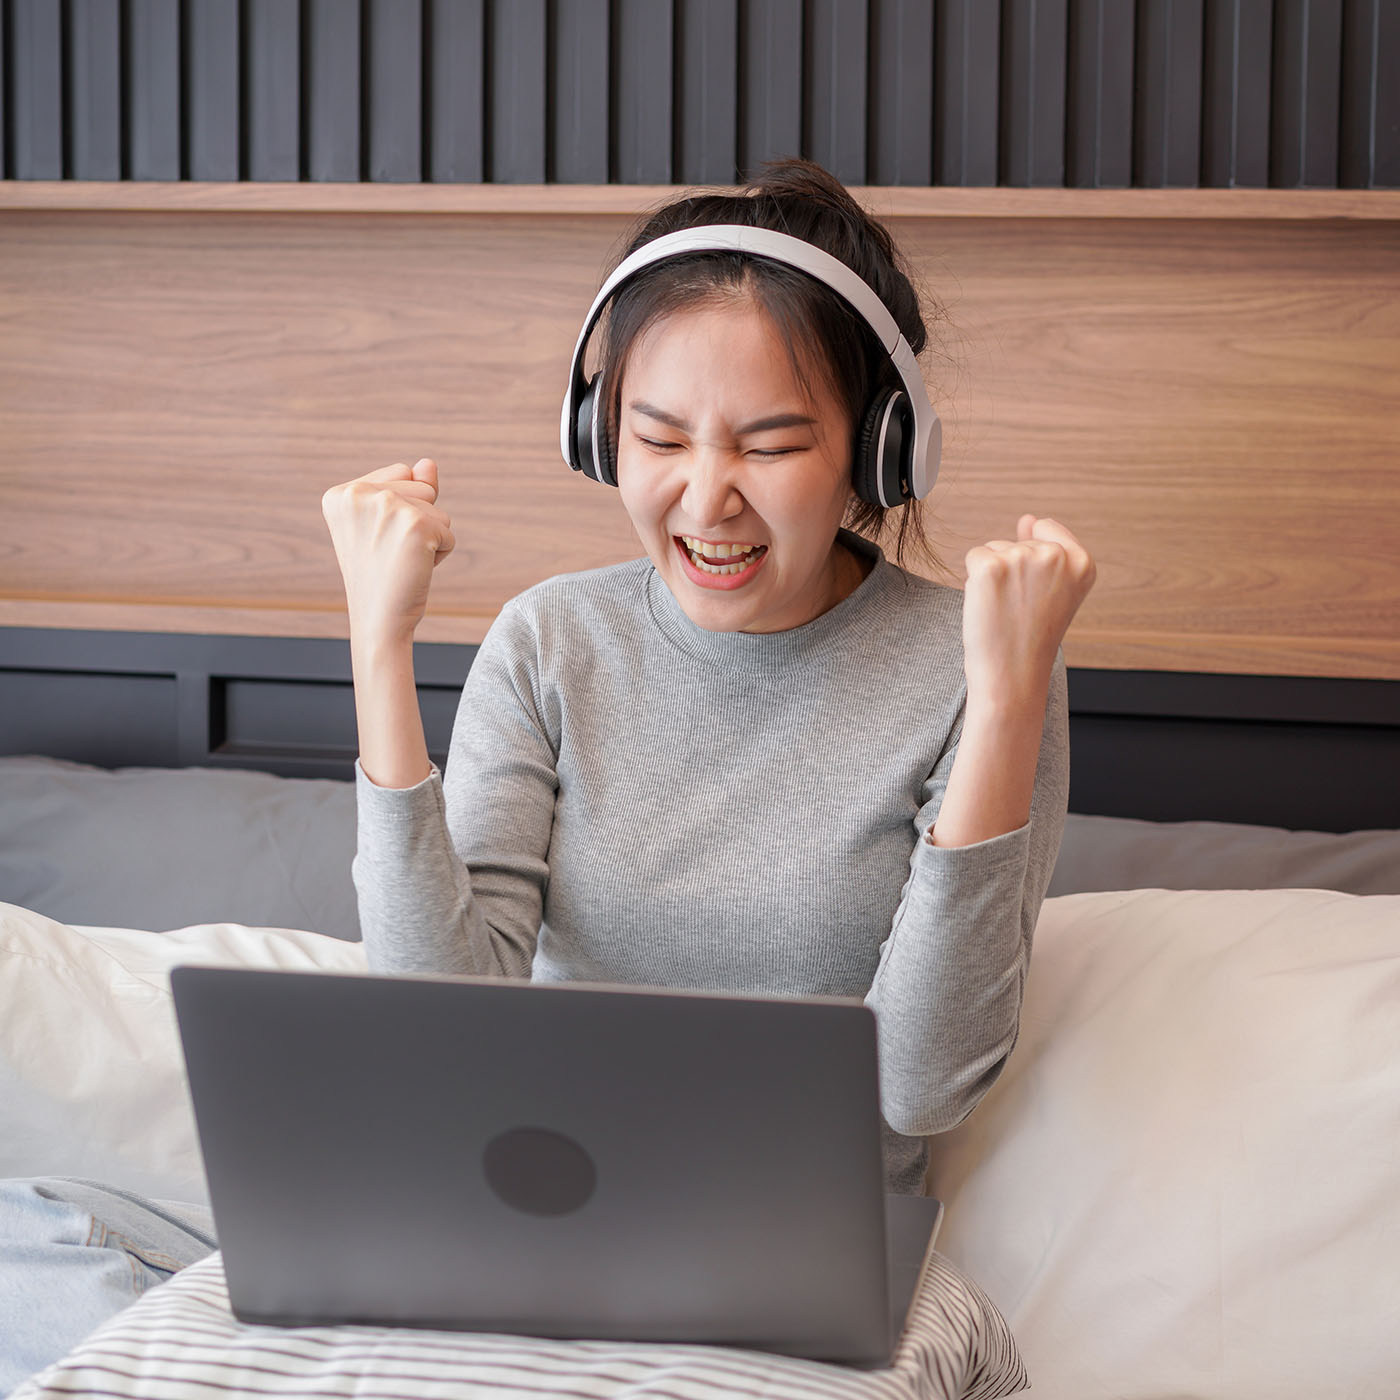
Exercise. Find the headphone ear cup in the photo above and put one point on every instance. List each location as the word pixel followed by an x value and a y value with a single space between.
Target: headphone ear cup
pixel 592 450
pixel 880 471
pixel 605 455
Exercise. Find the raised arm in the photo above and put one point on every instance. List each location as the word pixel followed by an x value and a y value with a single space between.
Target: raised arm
pixel 389 535
pixel 419 910
pixel 948 988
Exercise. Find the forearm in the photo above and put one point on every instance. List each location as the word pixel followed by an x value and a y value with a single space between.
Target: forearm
pixel 947 992
pixel 989 790
pixel 393 750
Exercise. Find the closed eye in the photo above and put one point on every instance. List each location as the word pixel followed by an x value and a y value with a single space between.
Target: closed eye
pixel 766 454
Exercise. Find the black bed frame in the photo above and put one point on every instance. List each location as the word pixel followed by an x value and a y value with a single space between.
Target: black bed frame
pixel 1300 752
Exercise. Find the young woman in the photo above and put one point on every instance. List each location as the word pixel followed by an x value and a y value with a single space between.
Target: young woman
pixel 762 758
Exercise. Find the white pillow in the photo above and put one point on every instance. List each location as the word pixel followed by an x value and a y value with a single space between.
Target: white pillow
pixel 1187 1179
pixel 92 1078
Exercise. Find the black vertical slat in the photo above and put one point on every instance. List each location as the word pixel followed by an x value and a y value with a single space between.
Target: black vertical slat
pixel 578 88
pixel 393 69
pixel 271 97
pixel 707 96
pixel 836 71
pixel 152 85
pixel 331 106
pixel 1307 93
pixel 212 88
pixel 901 92
pixel 1034 34
pixel 1167 119
pixel 643 53
pixel 1370 124
pixel 770 82
pixel 456 137
pixel 966 84
pixel 1099 95
pixel 516 137
pixel 1235 93
pixel 92 86
pixel 36 95
pixel 5 171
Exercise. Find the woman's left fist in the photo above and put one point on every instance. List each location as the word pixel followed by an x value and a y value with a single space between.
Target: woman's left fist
pixel 1017 605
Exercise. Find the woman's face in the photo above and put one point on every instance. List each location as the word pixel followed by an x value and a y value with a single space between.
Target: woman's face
pixel 735 481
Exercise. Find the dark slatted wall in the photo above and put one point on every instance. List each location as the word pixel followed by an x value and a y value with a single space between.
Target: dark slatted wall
pixel 1287 93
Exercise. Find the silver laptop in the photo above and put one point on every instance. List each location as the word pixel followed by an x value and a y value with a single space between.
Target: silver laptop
pixel 563 1160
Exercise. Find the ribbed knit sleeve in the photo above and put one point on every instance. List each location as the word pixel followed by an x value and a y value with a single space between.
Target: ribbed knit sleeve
pixel 948 988
pixel 450 875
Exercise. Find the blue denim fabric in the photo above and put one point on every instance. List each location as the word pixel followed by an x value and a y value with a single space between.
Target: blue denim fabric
pixel 73 1253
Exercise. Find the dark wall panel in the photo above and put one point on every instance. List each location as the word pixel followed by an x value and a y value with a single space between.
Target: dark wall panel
pixel 393 69
pixel 643 45
pixel 332 101
pixel 1238 61
pixel 1370 116
pixel 707 91
pixel 36 90
pixel 901 92
pixel 578 93
pixel 1307 79
pixel 456 107
pixel 92 85
pixel 1099 94
pixel 966 87
pixel 836 102
pixel 213 80
pixel 517 53
pixel 271 64
pixel 140 698
pixel 1167 120
pixel 770 82
pixel 1085 93
pixel 5 171
pixel 1034 37
pixel 91 718
pixel 153 89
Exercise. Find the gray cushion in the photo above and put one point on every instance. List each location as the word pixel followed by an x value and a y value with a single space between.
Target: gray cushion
pixel 1122 853
pixel 163 848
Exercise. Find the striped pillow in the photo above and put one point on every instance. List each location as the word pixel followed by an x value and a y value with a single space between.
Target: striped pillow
pixel 180 1341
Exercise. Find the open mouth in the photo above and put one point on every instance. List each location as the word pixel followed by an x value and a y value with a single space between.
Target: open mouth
pixel 721 558
pixel 719 565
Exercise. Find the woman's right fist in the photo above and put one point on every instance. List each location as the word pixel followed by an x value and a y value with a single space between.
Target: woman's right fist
pixel 388 534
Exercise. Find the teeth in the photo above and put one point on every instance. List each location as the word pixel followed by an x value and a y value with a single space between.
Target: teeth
pixel 718 551
pixel 701 554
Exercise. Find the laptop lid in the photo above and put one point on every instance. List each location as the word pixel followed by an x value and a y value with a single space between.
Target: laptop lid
pixel 566 1160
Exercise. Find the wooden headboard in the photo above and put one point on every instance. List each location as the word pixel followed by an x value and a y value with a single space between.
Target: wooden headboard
pixel 1201 383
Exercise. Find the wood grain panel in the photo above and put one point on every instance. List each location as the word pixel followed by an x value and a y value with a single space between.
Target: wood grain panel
pixel 1208 403
pixel 561 200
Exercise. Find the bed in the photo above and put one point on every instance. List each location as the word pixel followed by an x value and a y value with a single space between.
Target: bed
pixel 1185 1182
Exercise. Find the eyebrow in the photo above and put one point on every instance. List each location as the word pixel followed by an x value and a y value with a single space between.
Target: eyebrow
pixel 759 425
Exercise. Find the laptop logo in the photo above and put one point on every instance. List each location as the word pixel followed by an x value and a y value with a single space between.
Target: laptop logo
pixel 539 1171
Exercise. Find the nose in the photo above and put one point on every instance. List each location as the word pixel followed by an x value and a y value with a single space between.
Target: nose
pixel 711 488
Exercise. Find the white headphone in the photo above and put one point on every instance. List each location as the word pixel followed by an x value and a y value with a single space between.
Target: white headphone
pixel 891 464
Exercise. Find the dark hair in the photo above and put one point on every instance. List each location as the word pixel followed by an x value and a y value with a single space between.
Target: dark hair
pixel 800 198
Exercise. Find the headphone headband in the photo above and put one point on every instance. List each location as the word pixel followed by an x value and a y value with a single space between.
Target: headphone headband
pixel 794 252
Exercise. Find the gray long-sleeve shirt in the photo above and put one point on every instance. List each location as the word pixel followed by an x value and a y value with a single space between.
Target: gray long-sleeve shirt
pixel 630 798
